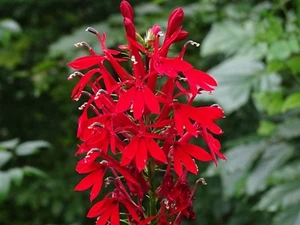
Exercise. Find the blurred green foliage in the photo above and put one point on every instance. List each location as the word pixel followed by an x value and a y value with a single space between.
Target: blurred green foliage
pixel 251 47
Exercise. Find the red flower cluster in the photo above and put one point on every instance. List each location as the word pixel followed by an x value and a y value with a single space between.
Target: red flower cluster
pixel 134 129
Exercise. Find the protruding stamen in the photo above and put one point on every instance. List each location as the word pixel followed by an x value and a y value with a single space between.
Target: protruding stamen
pixel 75 74
pixel 82 106
pixel 160 34
pixel 190 42
pixel 99 92
pixel 95 124
pixel 84 44
pixel 133 60
pixel 92 30
pixel 202 181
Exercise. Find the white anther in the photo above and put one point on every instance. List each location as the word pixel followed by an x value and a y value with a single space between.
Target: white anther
pixel 82 106
pixel 133 60
pixel 195 43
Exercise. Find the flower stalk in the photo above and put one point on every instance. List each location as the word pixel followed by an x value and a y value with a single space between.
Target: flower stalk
pixel 133 125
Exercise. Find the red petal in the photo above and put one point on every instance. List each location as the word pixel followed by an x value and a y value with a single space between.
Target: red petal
pixel 104 218
pixel 132 210
pixel 177 163
pixel 141 155
pixel 115 215
pixel 178 121
pixel 187 161
pixel 138 105
pixel 82 83
pixel 97 186
pixel 100 207
pixel 86 62
pixel 151 100
pixel 200 78
pixel 90 180
pixel 126 175
pixel 130 151
pixel 125 100
pixel 155 151
pixel 196 152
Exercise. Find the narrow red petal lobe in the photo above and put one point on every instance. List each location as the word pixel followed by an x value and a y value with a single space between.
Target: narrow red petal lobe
pixel 155 151
pixel 196 152
pixel 99 207
pixel 187 161
pixel 177 163
pixel 130 151
pixel 141 155
pixel 85 62
pixel 115 215
pixel 125 100
pixel 151 100
pixel 97 185
pixel 138 105
pixel 104 218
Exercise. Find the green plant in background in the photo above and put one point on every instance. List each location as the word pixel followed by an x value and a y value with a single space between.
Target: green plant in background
pixel 11 151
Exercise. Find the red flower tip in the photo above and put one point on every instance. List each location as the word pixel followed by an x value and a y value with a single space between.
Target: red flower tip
pixel 126 10
pixel 129 27
pixel 174 21
pixel 181 36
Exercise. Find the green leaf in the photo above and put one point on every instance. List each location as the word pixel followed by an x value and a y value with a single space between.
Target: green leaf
pixel 10 144
pixel 275 65
pixel 282 195
pixel 290 172
pixel 235 78
pixel 4 185
pixel 235 169
pixel 269 101
pixel 4 157
pixel 289 216
pixel 16 175
pixel 29 170
pixel 31 147
pixel 289 129
pixel 279 50
pixel 10 25
pixel 273 157
pixel 227 37
pixel 266 128
pixel 291 102
pixel 293 64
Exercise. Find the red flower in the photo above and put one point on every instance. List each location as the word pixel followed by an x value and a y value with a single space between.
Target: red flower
pixel 139 147
pixel 133 125
pixel 139 97
pixel 183 153
pixel 108 209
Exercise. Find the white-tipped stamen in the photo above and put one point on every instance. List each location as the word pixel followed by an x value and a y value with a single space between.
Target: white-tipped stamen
pixel 82 106
pixel 133 60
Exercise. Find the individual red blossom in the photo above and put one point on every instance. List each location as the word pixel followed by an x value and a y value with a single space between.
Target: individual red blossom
pixel 183 153
pixel 139 147
pixel 134 127
pixel 108 209
pixel 138 97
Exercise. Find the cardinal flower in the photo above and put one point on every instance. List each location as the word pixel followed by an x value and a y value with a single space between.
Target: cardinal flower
pixel 138 97
pixel 139 148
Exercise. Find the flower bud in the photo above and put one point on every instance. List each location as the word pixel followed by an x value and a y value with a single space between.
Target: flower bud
pixel 174 21
pixel 126 10
pixel 129 27
pixel 183 35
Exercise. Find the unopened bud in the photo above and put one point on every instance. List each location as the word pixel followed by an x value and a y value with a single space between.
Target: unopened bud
pixel 174 21
pixel 92 30
pixel 126 10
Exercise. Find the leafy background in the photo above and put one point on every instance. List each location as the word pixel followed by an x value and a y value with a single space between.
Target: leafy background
pixel 251 47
